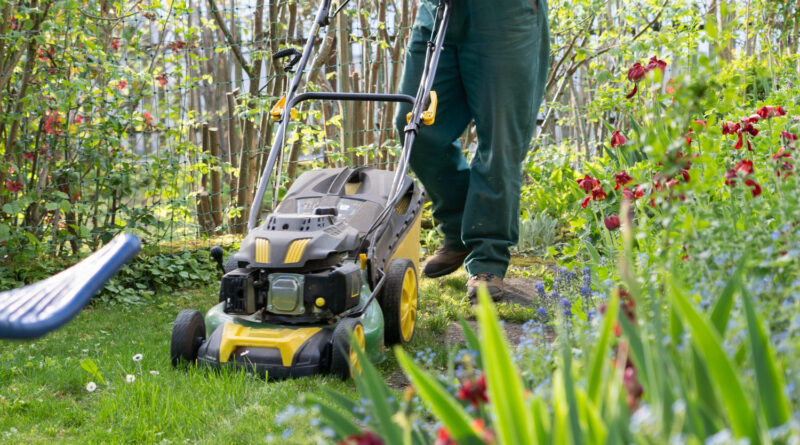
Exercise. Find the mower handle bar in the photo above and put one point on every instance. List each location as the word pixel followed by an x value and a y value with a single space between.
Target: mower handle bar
pixel 426 83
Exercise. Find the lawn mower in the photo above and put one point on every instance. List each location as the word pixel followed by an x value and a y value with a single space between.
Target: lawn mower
pixel 334 266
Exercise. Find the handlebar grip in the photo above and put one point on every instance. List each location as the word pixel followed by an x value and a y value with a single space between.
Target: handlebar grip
pixel 288 52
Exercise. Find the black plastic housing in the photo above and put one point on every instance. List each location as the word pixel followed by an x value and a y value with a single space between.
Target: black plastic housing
pixel 339 287
pixel 238 292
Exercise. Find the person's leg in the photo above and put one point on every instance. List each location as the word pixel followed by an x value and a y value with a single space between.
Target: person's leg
pixel 504 65
pixel 437 158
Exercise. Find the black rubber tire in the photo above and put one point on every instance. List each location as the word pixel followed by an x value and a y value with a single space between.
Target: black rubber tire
pixel 188 334
pixel 231 263
pixel 340 353
pixel 390 300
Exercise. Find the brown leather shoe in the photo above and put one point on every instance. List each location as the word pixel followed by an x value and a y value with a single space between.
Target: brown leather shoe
pixel 444 261
pixel 493 283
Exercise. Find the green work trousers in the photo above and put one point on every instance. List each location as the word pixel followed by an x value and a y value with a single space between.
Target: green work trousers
pixel 492 70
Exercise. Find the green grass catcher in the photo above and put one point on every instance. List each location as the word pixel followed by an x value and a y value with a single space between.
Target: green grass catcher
pixel 336 259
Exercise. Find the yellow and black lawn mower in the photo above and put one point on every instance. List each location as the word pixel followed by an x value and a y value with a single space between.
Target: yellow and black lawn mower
pixel 336 259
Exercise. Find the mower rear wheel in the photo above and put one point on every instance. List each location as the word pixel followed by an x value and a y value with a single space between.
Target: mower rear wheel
pixel 344 360
pixel 188 334
pixel 398 300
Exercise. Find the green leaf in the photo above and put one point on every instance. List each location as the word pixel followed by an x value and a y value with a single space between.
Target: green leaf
pixel 440 402
pixel 724 375
pixel 372 386
pixel 768 373
pixel 471 339
pixel 512 414
pixel 722 309
pixel 599 360
pixel 576 432
pixel 340 423
pixel 89 366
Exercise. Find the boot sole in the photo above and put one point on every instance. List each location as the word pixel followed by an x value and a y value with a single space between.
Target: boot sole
pixel 443 272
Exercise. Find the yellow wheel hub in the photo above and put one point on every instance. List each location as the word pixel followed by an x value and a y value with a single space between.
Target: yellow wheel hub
pixel 360 340
pixel 408 304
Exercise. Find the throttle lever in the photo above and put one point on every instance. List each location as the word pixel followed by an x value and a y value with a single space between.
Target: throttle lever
pixel 295 57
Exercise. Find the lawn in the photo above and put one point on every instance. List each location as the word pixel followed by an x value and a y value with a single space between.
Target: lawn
pixel 43 386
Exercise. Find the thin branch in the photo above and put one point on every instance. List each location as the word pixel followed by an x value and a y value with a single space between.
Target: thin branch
pixel 229 37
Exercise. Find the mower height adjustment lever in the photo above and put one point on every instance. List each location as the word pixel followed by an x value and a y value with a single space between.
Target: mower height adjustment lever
pixel 287 52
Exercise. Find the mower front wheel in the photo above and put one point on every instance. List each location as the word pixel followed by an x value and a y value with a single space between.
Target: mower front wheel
pixel 398 300
pixel 344 360
pixel 188 334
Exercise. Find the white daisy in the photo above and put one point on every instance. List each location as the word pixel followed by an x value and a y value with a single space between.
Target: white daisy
pixel 137 357
pixel 91 386
pixel 154 373
pixel 130 378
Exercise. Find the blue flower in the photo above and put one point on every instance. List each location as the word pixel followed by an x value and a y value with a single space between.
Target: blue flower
pixel 542 311
pixel 566 303
pixel 586 291
pixel 540 289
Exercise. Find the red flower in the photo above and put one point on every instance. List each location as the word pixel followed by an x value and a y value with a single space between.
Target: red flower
pixel 656 63
pixel 790 137
pixel 115 44
pixel 162 79
pixel 586 202
pixel 122 84
pixel 588 183
pixel 685 173
pixel 621 179
pixel 769 111
pixel 611 222
pixel 744 166
pixel 78 119
pixel 365 438
pixel 781 154
pixel 627 194
pixel 672 183
pixel 598 194
pixel 700 122
pixel 29 156
pixel 750 129
pixel 738 144
pixel 486 435
pixel 443 437
pixel 13 186
pixel 148 118
pixel 177 45
pixel 730 178
pixel 689 137
pixel 753 118
pixel 617 139
pixel 730 128
pixel 756 188
pixel 786 168
pixel 52 123
pixel 473 391
pixel 632 386
pixel 638 192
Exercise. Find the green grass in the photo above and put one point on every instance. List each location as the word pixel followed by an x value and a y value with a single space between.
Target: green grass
pixel 43 396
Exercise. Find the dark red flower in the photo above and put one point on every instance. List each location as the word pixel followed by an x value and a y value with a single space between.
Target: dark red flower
pixel 122 84
pixel 473 391
pixel 52 123
pixel 769 111
pixel 632 386
pixel 598 194
pixel 685 173
pixel 749 128
pixel 13 186
pixel 365 438
pixel 586 202
pixel 617 139
pixel 611 222
pixel 672 183
pixel 627 194
pixel 638 191
pixel 785 170
pixel 588 183
pixel 637 72
pixel 738 144
pixel 730 178
pixel 753 118
pixel 730 127
pixel 162 79
pixel 789 137
pixel 656 63
pixel 149 16
pixel 621 179
pixel 115 44
pixel 148 118
pixel 754 185
pixel 78 119
pixel 688 137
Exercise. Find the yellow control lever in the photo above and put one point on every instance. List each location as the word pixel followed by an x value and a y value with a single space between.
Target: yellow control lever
pixel 429 115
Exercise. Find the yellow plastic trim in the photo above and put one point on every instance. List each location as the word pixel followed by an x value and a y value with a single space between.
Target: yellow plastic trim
pixel 408 305
pixel 409 246
pixel 296 249
pixel 360 340
pixel 287 341
pixel 429 115
pixel 262 250
pixel 277 110
pixel 319 302
pixel 362 258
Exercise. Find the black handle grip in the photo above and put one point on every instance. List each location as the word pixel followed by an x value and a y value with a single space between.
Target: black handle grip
pixel 287 52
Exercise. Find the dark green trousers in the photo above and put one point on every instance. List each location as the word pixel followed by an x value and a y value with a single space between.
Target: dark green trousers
pixel 492 70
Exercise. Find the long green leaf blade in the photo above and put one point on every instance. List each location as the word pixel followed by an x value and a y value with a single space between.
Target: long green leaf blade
pixel 441 403
pixel 340 423
pixel 600 359
pixel 512 414
pixel 708 343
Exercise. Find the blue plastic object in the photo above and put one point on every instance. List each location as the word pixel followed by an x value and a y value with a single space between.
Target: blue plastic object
pixel 39 308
